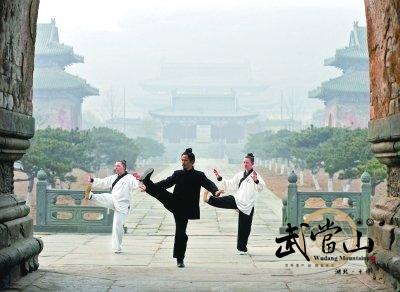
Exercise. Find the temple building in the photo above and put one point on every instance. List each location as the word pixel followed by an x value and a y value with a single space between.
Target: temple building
pixel 346 97
pixel 57 94
pixel 204 109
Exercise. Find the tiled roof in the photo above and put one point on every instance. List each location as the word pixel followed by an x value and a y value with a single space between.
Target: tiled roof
pixel 57 79
pixel 356 50
pixel 47 43
pixel 170 112
pixel 351 82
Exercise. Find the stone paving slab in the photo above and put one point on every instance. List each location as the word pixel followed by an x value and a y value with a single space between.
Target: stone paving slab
pixel 190 279
pixel 84 262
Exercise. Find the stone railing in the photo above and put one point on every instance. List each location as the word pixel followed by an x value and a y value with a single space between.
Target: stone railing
pixel 62 211
pixel 295 209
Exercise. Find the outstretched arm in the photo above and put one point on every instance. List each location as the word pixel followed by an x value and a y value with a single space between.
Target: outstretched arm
pixel 208 184
pixel 103 182
pixel 231 184
pixel 168 182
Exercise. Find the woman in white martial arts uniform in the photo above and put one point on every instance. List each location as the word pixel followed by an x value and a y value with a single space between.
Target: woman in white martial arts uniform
pixel 122 185
pixel 247 184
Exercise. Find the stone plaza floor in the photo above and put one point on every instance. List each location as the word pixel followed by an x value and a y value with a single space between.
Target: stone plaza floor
pixel 85 262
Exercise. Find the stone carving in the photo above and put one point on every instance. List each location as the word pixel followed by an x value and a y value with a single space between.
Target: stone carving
pixel 17 52
pixel 18 248
pixel 6 178
pixel 384 47
pixel 383 24
pixel 394 182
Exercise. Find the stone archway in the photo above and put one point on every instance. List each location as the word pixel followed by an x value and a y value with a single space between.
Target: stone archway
pixel 18 248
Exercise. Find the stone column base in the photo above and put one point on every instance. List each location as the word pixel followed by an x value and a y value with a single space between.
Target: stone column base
pixel 19 250
pixel 384 263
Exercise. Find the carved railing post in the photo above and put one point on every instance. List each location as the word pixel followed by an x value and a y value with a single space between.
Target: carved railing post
pixel 292 201
pixel 289 204
pixel 41 200
pixel 366 192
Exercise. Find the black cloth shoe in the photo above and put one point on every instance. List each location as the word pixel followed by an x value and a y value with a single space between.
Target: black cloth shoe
pixel 146 174
pixel 180 264
pixel 242 252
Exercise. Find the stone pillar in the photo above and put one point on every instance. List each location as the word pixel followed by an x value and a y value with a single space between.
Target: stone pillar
pixel 18 249
pixel 383 25
pixel 290 202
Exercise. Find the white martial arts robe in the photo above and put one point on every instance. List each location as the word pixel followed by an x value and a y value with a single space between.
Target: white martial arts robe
pixel 247 193
pixel 118 200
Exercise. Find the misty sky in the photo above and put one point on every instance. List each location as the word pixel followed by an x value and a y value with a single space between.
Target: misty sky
pixel 124 42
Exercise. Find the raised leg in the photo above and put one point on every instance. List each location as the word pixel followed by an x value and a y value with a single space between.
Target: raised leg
pixel 165 197
pixel 225 202
pixel 104 200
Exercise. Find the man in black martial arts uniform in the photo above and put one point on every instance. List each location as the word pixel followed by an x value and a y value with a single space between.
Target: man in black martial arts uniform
pixel 183 203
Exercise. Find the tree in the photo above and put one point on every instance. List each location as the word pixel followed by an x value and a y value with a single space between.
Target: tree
pixel 335 149
pixel 149 147
pixel 281 147
pixel 258 143
pixel 57 152
pixel 305 148
pixel 304 145
pixel 377 171
pixel 344 151
pixel 269 145
pixel 109 145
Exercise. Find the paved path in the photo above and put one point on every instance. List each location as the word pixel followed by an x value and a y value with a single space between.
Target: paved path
pixel 84 262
